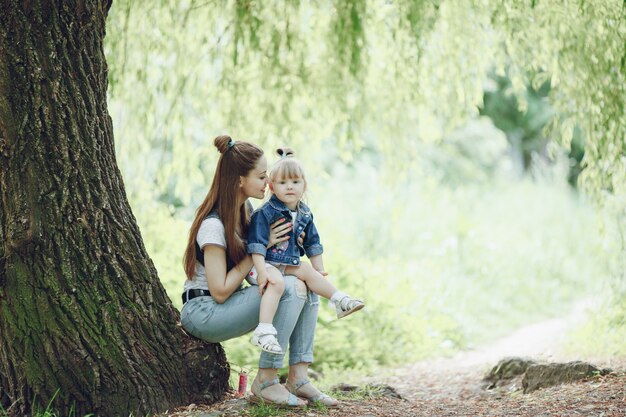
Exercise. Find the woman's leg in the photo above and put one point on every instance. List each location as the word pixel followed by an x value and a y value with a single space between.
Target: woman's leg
pixel 287 315
pixel 301 353
pixel 208 320
pixel 286 321
pixel 303 334
pixel 213 322
pixel 298 383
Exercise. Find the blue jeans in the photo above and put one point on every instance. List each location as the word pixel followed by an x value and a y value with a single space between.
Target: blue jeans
pixel 295 320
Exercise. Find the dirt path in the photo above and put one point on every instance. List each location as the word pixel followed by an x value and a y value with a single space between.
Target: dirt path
pixel 453 386
pixel 461 374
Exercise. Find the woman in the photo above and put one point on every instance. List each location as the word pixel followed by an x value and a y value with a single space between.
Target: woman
pixel 216 307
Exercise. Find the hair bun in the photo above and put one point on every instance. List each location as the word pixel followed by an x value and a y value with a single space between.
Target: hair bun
pixel 285 152
pixel 221 143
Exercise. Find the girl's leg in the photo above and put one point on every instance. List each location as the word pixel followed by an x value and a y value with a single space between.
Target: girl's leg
pixel 264 335
pixel 271 296
pixel 313 279
pixel 287 319
pixel 316 282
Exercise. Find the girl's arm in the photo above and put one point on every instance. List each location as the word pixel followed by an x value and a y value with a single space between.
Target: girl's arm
pixel 223 284
pixel 318 264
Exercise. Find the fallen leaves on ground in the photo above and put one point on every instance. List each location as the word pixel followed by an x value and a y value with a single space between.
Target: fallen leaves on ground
pixel 601 396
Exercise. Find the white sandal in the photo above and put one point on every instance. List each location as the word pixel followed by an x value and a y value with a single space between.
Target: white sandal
pixel 266 340
pixel 348 305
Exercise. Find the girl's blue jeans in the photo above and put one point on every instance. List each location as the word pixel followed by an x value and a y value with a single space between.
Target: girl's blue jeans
pixel 295 320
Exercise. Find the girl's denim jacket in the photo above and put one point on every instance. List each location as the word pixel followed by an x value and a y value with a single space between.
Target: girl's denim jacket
pixel 287 252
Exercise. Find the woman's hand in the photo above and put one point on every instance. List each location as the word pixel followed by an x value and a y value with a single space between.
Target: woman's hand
pixel 279 232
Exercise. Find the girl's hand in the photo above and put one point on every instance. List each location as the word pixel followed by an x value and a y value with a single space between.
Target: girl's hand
pixel 279 232
pixel 301 238
pixel 324 273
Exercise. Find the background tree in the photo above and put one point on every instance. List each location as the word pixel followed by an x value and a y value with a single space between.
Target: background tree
pixel 362 78
pixel 388 95
pixel 409 75
pixel 83 316
pixel 524 130
pixel 300 70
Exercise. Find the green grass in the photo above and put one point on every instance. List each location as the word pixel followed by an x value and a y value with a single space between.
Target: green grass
pixel 50 411
pixel 603 333
pixel 441 268
pixel 269 410
pixel 265 410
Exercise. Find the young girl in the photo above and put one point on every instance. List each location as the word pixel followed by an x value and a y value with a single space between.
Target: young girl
pixel 288 184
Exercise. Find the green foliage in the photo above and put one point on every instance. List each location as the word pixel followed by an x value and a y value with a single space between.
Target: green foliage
pixel 443 268
pixel 165 238
pixel 348 37
pixel 474 153
pixel 409 64
pixel 604 330
pixel 433 232
pixel 603 333
pixel 582 51
pixel 524 130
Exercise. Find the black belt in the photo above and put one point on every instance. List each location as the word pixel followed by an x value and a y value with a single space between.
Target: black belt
pixel 190 294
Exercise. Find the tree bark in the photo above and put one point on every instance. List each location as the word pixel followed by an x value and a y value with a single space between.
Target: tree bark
pixel 83 316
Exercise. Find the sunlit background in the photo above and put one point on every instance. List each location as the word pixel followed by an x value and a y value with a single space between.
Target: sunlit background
pixel 466 160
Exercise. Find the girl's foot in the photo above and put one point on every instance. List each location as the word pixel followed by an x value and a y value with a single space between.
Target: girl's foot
pixel 264 336
pixel 347 305
pixel 304 389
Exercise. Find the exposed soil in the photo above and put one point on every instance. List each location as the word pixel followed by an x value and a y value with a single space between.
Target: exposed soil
pixel 454 387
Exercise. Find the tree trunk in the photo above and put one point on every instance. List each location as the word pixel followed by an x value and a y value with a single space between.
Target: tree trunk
pixel 83 316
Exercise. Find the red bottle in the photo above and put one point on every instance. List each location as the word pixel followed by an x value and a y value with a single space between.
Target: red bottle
pixel 243 383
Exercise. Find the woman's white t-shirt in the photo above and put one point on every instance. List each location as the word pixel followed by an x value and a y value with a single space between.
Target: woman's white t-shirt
pixel 211 233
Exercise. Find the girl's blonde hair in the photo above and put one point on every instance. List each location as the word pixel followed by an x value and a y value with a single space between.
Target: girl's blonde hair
pixel 287 166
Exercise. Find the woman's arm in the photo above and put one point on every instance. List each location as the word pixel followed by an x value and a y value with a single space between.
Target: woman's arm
pixel 221 283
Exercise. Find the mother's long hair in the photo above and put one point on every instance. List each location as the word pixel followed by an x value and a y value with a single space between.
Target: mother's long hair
pixel 237 159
